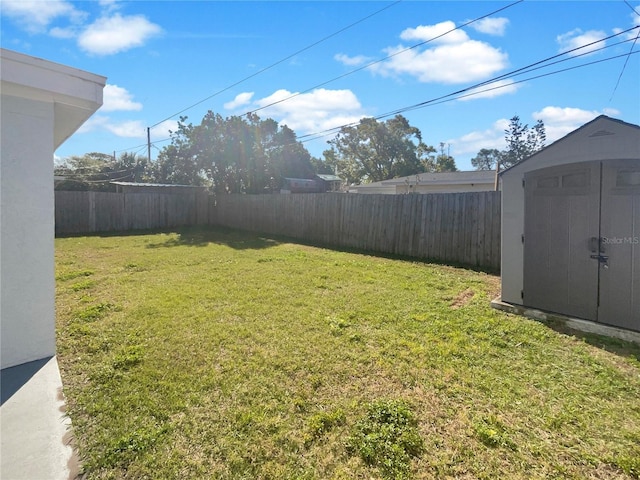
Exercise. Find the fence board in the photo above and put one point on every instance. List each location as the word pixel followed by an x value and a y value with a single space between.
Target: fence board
pixel 90 212
pixel 458 227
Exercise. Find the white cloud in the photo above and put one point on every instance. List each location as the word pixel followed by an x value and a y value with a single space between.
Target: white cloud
pixel 611 112
pixel 452 63
pixel 495 89
pixel 116 98
pixel 559 121
pixel 315 111
pixel 240 100
pixel 110 35
pixel 35 16
pixel 133 129
pixel 491 26
pixel 162 130
pixel 64 33
pixel 109 5
pixel 127 129
pixel 351 61
pixel 473 142
pixel 577 38
pixel 94 122
pixel 443 32
pixel 455 58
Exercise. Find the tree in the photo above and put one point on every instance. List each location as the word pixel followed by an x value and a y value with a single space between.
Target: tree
pixel 522 142
pixel 374 151
pixel 94 171
pixel 444 162
pixel 233 155
pixel 322 166
pixel 133 167
pixel 486 159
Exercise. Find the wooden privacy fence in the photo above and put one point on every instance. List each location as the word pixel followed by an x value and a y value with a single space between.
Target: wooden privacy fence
pixel 89 212
pixel 449 227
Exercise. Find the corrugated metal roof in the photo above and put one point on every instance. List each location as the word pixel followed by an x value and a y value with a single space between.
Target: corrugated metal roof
pixel 329 178
pixel 136 184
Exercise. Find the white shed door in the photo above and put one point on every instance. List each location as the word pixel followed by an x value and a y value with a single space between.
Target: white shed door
pixel 582 241
pixel 562 206
pixel 620 244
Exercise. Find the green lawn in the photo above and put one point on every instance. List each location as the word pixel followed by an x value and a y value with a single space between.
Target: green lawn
pixel 222 355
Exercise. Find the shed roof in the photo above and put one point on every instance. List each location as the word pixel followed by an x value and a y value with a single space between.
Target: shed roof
pixel 599 127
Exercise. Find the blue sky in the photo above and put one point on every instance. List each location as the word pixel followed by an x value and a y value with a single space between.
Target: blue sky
pixel 161 57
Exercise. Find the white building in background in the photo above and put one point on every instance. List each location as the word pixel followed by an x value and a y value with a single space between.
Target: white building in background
pixel 445 182
pixel 42 104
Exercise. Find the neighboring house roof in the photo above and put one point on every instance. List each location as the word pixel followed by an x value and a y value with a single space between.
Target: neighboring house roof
pixel 138 184
pixel 476 176
pixel 329 178
pixel 477 180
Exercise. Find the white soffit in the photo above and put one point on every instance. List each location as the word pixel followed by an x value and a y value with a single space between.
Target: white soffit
pixel 76 94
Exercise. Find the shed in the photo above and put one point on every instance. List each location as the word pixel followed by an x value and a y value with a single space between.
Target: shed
pixel 433 182
pixel 571 226
pixel 319 184
pixel 330 183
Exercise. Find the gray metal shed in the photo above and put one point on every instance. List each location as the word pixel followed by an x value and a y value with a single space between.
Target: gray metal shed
pixel 571 226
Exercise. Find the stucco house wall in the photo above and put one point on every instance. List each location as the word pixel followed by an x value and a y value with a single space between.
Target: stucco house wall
pixel 42 104
pixel 601 139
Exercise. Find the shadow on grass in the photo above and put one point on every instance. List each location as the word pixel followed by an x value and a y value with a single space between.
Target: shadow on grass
pixel 192 236
pixel 245 240
pixel 388 256
pixel 201 237
pixel 616 346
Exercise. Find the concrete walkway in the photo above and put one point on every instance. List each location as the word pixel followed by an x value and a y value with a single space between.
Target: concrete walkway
pixel 35 434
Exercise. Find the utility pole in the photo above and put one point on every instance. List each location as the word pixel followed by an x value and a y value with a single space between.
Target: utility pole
pixel 149 144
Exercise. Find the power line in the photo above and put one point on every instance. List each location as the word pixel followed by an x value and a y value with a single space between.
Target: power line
pixel 615 89
pixel 524 70
pixel 555 72
pixel 477 85
pixel 412 47
pixel 328 81
pixel 459 94
pixel 280 61
pixel 473 89
pixel 142 145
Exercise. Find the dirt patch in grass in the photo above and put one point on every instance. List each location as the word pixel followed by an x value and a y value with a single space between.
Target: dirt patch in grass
pixel 462 298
